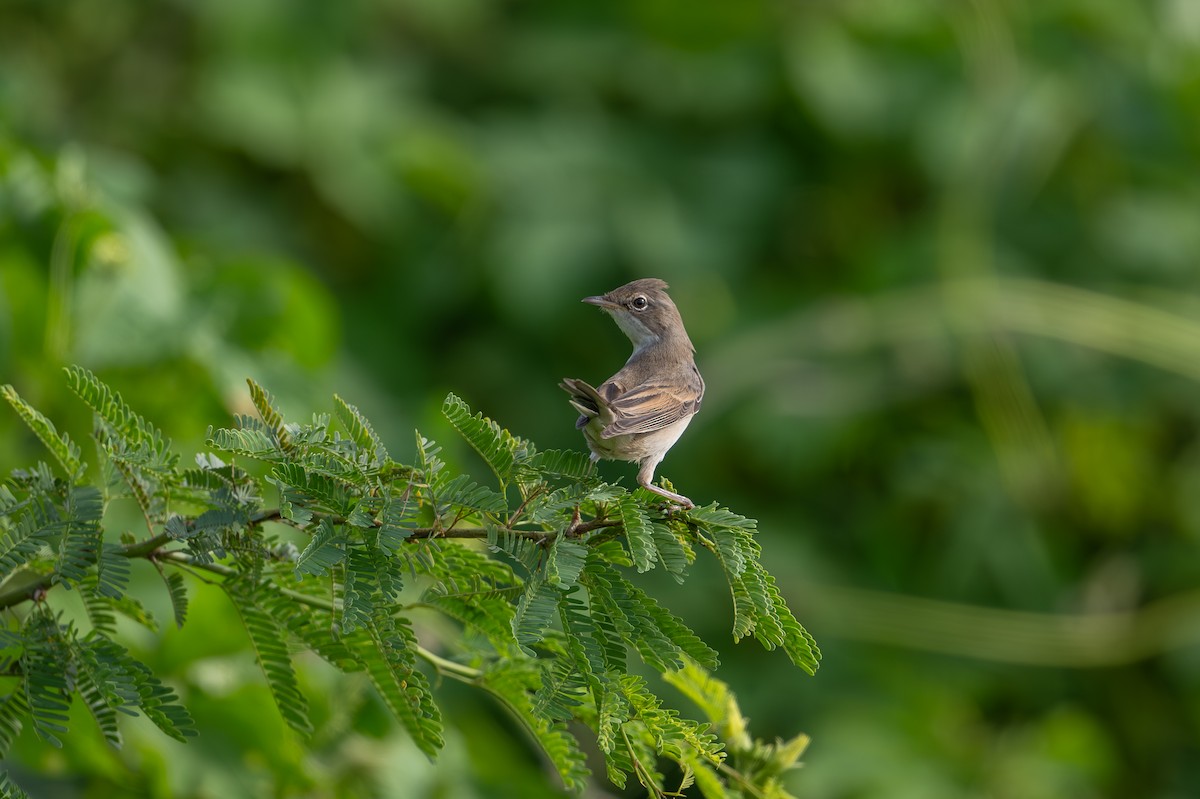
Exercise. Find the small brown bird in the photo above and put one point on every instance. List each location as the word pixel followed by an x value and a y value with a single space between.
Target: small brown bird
pixel 641 411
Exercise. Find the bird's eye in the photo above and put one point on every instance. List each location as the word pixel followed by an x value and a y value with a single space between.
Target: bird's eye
pixel 639 303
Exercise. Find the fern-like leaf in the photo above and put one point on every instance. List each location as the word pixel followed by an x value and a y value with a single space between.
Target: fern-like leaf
pixel 324 550
pixel 512 683
pixel 638 532
pixel 361 432
pixel 314 628
pixel 564 689
pixel 388 660
pixel 265 405
pixel 44 666
pixel 21 542
pixel 315 490
pixel 99 608
pixel 661 638
pixel 587 646
pixel 565 562
pixel 799 645
pixel 473 588
pixel 397 520
pixel 250 442
pixel 159 702
pixel 9 789
pixel 178 593
pixel 675 554
pixel 144 443
pixel 567 463
pixel 272 654
pixel 359 589
pixel 112 576
pixel 669 734
pixel 464 493
pixel 79 548
pixel 64 450
pixel 495 444
pixel 100 696
pixel 537 606
pixel 133 610
pixel 14 710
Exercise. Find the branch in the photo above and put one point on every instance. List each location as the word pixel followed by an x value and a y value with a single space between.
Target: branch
pixel 15 590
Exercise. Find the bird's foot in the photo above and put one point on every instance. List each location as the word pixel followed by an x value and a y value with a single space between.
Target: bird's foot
pixel 679 501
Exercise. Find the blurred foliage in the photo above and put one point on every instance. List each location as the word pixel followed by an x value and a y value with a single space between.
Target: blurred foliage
pixel 939 260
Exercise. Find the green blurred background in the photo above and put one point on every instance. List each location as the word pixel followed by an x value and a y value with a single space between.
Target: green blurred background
pixel 939 260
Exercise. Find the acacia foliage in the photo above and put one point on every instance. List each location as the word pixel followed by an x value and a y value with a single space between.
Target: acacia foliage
pixel 538 565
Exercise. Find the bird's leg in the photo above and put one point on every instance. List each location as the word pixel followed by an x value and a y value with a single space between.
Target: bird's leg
pixel 645 479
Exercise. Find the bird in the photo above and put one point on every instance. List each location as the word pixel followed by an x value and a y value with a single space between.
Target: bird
pixel 640 412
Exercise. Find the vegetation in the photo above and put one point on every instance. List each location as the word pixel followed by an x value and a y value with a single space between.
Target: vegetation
pixel 548 620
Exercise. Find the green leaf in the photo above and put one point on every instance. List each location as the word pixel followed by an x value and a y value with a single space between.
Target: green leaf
pixel 675 554
pixel 387 658
pixel 325 550
pixel 567 463
pixel 178 593
pixel 9 789
pixel 133 610
pixel 759 608
pixel 705 691
pixel 397 520
pixel 537 606
pixel 799 645
pixel 522 550
pixel 144 443
pixel 14 709
pixel 315 490
pixel 250 442
pixel 495 444
pixel 271 652
pixel 21 542
pixel 471 587
pixel 431 468
pixel 595 650
pixel 99 608
pixel 160 703
pixel 60 445
pixel 361 432
pixel 638 532
pixel 359 590
pixel 708 781
pixel 463 492
pixel 661 638
pixel 264 404
pixel 44 666
pixel 563 690
pixel 512 682
pixel 79 548
pixel 112 576
pixel 711 516
pixel 564 563
pixel 101 693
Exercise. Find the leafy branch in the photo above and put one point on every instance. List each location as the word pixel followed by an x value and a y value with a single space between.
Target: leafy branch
pixel 533 564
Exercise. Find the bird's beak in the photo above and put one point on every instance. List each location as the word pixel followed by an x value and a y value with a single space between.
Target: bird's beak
pixel 601 302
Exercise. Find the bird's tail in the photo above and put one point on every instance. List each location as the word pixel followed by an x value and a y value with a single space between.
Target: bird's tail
pixel 584 399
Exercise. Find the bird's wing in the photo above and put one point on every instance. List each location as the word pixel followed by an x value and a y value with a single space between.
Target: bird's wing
pixel 652 406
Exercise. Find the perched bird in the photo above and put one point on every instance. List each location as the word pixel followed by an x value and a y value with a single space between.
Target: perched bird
pixel 640 412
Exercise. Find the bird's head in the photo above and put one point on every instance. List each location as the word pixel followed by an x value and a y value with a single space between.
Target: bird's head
pixel 643 310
